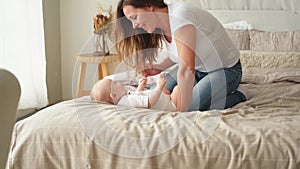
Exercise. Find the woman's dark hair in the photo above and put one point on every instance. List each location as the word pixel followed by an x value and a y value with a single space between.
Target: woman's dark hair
pixel 142 3
pixel 136 45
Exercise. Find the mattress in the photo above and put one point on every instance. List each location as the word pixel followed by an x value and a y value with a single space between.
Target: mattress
pixel 262 132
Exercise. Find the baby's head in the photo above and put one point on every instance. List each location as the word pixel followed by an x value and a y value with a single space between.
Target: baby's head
pixel 107 90
pixel 101 91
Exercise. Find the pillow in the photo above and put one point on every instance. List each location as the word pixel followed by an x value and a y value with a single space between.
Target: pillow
pixel 238 25
pixel 270 60
pixel 240 38
pixel 275 41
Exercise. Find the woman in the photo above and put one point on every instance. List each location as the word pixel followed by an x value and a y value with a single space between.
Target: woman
pixel 209 70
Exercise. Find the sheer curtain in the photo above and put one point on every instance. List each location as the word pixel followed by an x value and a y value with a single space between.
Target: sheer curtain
pixel 22 49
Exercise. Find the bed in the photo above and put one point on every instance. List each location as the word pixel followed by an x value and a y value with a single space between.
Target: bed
pixel 262 132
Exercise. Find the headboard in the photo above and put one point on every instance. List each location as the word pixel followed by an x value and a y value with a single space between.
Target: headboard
pixel 275 29
pixel 285 5
pixel 267 15
pixel 267 20
pixel 275 23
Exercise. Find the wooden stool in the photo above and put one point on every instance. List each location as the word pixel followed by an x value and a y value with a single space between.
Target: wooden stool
pixel 103 69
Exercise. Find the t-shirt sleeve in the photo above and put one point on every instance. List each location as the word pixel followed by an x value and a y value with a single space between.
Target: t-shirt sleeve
pixel 134 100
pixel 182 16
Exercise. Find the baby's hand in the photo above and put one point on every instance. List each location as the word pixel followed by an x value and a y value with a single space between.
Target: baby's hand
pixel 161 82
pixel 142 84
pixel 143 81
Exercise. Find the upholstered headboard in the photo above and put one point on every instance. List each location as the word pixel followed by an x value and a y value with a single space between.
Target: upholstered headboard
pixel 275 23
pixel 267 20
pixel 268 15
pixel 284 5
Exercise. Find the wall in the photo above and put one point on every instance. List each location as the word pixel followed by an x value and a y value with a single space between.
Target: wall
pixel 76 28
pixel 52 45
pixel 68 25
pixel 76 20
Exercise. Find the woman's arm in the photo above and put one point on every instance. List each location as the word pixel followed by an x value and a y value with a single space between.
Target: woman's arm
pixel 185 41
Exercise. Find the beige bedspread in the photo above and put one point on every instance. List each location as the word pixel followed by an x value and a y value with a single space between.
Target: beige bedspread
pixel 263 132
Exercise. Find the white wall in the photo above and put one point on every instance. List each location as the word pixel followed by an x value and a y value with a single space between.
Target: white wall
pixel 76 18
pixel 52 45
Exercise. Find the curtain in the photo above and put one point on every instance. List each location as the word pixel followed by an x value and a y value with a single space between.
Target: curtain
pixel 22 49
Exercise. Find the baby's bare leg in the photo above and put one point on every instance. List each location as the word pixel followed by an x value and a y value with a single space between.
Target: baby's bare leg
pixel 176 97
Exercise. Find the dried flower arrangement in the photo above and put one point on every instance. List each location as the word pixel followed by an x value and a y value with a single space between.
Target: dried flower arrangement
pixel 103 17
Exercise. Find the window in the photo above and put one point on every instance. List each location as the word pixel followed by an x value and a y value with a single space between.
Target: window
pixel 22 49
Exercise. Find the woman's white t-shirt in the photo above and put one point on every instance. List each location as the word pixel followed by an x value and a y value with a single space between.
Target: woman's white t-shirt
pixel 214 49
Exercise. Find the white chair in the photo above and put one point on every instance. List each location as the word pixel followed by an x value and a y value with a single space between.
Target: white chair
pixel 9 97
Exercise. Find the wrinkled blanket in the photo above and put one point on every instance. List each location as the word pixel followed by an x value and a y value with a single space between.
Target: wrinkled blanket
pixel 263 132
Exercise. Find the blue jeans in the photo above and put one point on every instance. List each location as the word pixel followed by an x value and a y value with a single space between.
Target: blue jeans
pixel 213 90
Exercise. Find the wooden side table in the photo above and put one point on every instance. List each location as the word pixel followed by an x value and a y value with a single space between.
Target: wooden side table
pixel 103 69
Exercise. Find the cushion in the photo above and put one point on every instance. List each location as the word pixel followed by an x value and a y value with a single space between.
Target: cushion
pixel 275 41
pixel 240 38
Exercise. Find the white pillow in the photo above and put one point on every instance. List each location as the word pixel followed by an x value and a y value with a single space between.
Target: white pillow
pixel 240 25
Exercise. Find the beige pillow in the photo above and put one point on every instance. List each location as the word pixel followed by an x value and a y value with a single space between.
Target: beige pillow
pixel 240 38
pixel 275 41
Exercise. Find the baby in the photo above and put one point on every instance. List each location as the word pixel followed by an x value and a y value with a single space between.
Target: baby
pixel 114 92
